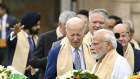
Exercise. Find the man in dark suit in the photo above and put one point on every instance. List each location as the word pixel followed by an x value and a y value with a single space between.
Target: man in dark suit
pixel 39 58
pixel 6 22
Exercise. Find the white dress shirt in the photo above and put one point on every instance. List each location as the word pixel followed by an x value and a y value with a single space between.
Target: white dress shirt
pixel 3 22
pixel 80 51
pixel 121 70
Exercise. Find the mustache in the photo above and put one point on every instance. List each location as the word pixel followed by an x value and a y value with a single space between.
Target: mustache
pixel 93 51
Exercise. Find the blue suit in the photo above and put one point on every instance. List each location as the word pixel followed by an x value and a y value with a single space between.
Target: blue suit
pixel 51 71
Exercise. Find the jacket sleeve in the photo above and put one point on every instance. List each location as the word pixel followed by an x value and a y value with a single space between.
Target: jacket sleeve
pixel 38 58
pixel 51 68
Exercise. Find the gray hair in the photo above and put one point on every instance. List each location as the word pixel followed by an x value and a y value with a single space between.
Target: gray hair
pixel 131 24
pixel 65 15
pixel 109 36
pixel 75 20
pixel 100 11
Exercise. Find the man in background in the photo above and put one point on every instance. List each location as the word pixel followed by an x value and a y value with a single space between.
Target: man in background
pixel 6 22
pixel 39 59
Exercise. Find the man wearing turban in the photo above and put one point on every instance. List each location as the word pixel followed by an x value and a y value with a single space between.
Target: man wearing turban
pixel 22 42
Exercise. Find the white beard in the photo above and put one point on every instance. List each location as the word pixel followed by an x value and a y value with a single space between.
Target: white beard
pixel 99 54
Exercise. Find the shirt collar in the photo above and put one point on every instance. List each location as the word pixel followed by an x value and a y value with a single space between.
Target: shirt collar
pixel 73 49
pixel 4 16
pixel 27 35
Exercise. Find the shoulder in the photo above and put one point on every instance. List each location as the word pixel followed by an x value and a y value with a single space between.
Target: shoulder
pixel 55 51
pixel 121 60
pixel 11 17
pixel 48 34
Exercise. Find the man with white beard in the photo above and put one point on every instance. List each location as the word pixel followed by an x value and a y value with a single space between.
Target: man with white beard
pixel 110 64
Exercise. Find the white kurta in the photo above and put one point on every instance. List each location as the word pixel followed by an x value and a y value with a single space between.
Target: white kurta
pixel 121 70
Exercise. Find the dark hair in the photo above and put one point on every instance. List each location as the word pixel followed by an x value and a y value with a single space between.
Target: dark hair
pixel 83 12
pixel 30 19
pixel 118 19
pixel 4 6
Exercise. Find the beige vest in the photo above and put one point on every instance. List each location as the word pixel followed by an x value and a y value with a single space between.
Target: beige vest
pixel 21 52
pixel 64 61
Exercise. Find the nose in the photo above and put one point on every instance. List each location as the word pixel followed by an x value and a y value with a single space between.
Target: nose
pixel 75 38
pixel 92 47
pixel 97 24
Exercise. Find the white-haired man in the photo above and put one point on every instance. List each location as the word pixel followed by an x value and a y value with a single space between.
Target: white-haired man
pixel 72 54
pixel 39 58
pixel 98 19
pixel 110 64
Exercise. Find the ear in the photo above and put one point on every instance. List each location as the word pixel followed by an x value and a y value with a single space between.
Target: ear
pixel 59 23
pixel 109 44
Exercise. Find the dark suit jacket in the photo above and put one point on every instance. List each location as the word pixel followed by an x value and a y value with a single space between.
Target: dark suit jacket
pixel 136 58
pixel 11 21
pixel 39 58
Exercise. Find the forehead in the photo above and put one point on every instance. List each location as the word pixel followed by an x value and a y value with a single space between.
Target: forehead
pixel 120 28
pixel 97 16
pixel 98 38
pixel 76 27
pixel 111 21
pixel 85 18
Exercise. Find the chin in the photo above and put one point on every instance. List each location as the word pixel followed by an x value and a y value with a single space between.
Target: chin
pixel 97 56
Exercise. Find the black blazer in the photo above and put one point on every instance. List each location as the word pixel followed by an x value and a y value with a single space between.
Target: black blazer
pixel 11 21
pixel 39 58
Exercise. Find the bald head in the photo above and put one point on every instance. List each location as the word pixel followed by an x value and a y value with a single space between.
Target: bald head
pixel 73 21
pixel 123 31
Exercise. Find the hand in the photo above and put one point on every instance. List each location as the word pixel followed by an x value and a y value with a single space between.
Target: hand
pixel 29 67
pixel 17 28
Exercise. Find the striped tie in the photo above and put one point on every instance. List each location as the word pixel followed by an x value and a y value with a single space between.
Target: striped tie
pixel 77 62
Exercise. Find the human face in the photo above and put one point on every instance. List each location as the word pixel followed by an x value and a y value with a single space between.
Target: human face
pixel 35 28
pixel 2 12
pixel 96 22
pixel 110 24
pixel 75 34
pixel 98 47
pixel 85 18
pixel 124 35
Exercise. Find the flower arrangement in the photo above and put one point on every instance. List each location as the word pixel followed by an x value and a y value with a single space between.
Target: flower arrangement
pixel 135 76
pixel 78 74
pixel 7 73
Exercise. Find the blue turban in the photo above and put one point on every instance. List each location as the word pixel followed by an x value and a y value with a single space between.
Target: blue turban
pixel 30 19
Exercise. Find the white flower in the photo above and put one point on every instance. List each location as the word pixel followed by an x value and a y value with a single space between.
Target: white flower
pixel 66 75
pixel 85 71
pixel 10 68
pixel 1 67
pixel 3 76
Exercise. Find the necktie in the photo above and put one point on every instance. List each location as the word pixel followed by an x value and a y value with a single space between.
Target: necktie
pixel 31 48
pixel 77 62
pixel 97 66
